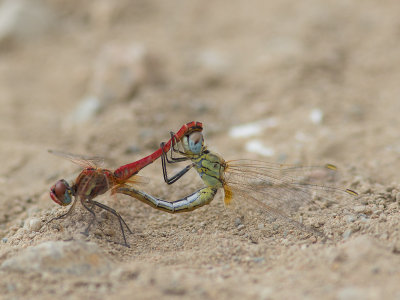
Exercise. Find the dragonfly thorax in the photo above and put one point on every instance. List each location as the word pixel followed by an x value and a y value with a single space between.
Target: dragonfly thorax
pixel 89 185
pixel 211 169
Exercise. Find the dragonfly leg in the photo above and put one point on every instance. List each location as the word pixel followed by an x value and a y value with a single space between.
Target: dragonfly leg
pixel 172 160
pixel 175 149
pixel 86 232
pixel 120 219
pixel 64 215
pixel 175 177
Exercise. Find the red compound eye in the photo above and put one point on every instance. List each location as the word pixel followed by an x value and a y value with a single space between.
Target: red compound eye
pixel 59 189
pixel 59 193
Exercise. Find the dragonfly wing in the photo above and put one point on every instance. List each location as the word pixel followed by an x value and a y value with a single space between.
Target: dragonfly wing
pixel 315 174
pixel 277 215
pixel 286 185
pixel 138 180
pixel 81 160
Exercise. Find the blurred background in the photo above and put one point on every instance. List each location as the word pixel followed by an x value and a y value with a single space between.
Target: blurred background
pixel 304 82
pixel 286 81
pixel 298 82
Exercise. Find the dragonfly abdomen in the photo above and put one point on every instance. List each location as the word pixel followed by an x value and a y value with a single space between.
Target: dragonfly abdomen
pixel 197 199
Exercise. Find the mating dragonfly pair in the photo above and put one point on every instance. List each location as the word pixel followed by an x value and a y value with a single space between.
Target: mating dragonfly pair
pixel 268 185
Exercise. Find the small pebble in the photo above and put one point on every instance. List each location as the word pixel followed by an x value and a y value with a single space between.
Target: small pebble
pixel 4 240
pixel 359 208
pixel 252 129
pixel 316 116
pixel 285 242
pixel 20 20
pixel 258 259
pixel 240 227
pixel 86 109
pixel 35 224
pixel 350 218
pixel 364 209
pixel 312 239
pixel 257 146
pixel 238 222
pixel 355 227
pixel 347 234
pixel 260 226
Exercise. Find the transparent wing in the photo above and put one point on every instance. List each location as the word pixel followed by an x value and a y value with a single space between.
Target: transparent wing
pixel 277 215
pixel 81 160
pixel 279 190
pixel 287 186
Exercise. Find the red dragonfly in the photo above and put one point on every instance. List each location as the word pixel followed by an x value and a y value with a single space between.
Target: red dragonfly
pixel 94 181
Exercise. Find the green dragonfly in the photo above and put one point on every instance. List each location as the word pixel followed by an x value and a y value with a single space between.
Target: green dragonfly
pixel 269 186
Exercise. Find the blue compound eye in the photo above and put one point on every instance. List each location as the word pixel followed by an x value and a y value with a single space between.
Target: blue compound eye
pixel 195 142
pixel 67 197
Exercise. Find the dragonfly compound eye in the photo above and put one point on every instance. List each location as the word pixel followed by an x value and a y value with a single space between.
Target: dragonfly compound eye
pixel 195 142
pixel 61 192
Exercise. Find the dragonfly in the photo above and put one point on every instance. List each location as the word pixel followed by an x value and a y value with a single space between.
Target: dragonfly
pixel 269 186
pixel 94 181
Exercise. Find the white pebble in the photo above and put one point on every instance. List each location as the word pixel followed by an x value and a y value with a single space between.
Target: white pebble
pixel 256 146
pixel 245 130
pixel 316 116
pixel 23 19
pixel 34 224
pixel 347 234
pixel 350 218
pixel 252 129
pixel 85 110
pixel 359 208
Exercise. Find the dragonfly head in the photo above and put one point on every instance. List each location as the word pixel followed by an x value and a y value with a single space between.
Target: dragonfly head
pixel 193 143
pixel 61 193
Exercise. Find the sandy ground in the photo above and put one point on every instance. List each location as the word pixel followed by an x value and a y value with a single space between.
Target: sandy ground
pixel 319 78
